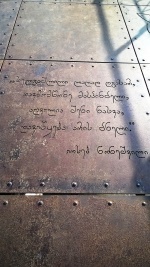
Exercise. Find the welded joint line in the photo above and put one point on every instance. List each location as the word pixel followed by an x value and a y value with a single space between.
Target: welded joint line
pixel 134 48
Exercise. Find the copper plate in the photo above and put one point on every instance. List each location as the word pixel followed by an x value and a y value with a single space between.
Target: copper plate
pixel 74 122
pixel 70 32
pixel 8 13
pixel 138 23
pixel 74 231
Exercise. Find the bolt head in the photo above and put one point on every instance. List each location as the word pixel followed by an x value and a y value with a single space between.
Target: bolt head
pixel 106 185
pixel 110 203
pixel 9 184
pixel 74 184
pixel 75 203
pixel 138 184
pixel 5 202
pixel 42 184
pixel 40 203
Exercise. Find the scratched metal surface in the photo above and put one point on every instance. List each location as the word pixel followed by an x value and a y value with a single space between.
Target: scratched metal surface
pixel 75 231
pixel 146 72
pixel 8 13
pixel 135 2
pixel 85 33
pixel 137 20
pixel 54 123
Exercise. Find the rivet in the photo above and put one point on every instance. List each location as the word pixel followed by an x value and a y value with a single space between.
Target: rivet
pixel 42 184
pixel 106 185
pixel 144 203
pixel 5 76
pixel 142 95
pixel 138 184
pixel 30 56
pixel 75 203
pixel 5 202
pixel 2 92
pixel 112 58
pixel 71 57
pixel 74 184
pixel 9 184
pixel 110 203
pixel 91 58
pixel 147 113
pixel 40 203
pixel 1 43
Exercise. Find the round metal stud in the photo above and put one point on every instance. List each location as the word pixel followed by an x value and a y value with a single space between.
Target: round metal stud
pixel 40 203
pixel 74 184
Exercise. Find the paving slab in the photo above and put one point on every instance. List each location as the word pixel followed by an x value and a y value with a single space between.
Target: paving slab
pixel 138 25
pixel 74 231
pixel 74 127
pixel 85 33
pixel 8 14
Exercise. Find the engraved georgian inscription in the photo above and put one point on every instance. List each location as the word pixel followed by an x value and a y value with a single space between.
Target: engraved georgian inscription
pixel 71 122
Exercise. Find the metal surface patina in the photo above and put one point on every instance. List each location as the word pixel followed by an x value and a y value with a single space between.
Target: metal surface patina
pixel 66 122
pixel 137 19
pixel 74 231
pixel 74 133
pixel 8 13
pixel 80 35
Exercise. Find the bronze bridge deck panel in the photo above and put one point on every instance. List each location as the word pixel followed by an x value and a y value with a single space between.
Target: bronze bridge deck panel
pixel 74 231
pixel 138 24
pixel 8 13
pixel 74 133
pixel 80 35
pixel 74 122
